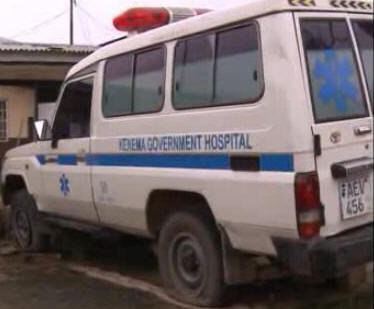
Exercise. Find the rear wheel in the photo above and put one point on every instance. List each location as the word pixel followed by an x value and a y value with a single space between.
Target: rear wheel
pixel 190 260
pixel 24 224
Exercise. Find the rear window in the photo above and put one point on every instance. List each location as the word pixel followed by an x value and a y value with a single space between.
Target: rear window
pixel 364 36
pixel 333 73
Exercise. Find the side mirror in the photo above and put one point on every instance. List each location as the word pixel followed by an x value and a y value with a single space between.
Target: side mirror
pixel 42 129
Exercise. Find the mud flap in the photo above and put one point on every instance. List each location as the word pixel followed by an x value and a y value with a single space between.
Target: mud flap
pixel 243 268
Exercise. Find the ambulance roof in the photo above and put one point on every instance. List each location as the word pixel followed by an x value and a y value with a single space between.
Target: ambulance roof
pixel 215 19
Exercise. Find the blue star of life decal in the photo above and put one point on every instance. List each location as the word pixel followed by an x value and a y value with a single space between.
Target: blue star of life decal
pixel 64 185
pixel 336 72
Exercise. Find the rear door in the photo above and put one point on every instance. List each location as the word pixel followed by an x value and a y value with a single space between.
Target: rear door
pixel 340 84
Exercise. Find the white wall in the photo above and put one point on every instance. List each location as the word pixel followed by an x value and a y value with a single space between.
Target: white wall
pixel 46 111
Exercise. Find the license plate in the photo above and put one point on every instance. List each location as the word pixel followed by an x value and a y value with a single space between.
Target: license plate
pixel 356 197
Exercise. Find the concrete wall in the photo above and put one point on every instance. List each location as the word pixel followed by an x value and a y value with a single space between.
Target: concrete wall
pixel 20 106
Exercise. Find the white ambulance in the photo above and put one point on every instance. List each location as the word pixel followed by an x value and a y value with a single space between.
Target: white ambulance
pixel 238 140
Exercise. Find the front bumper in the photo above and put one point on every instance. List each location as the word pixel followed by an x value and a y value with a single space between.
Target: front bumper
pixel 327 257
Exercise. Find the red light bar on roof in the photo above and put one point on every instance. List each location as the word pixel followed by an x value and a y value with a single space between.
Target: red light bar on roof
pixel 143 19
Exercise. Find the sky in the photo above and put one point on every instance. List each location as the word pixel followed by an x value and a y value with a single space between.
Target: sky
pixel 47 21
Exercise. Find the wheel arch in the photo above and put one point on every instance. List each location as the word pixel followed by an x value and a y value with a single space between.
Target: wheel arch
pixel 13 183
pixel 162 203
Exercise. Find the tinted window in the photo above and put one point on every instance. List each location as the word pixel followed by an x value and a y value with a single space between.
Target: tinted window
pixel 238 67
pixel 117 98
pixel 134 83
pixel 364 36
pixel 218 69
pixel 335 86
pixel 74 113
pixel 149 81
pixel 194 67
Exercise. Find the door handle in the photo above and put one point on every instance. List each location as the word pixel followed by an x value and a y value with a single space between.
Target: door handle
pixel 363 130
pixel 81 155
pixel 51 159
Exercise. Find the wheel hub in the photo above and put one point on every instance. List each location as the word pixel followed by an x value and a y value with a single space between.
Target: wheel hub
pixel 188 262
pixel 23 228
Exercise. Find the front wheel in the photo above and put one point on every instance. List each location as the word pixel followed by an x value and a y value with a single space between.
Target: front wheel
pixel 190 260
pixel 24 224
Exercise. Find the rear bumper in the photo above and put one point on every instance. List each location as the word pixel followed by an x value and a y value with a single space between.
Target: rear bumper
pixel 327 257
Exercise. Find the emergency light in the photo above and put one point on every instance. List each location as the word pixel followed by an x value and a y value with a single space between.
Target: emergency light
pixel 143 19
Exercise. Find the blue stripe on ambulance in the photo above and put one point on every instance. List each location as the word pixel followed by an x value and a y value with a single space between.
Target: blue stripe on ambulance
pixel 267 162
pixel 41 159
pixel 67 160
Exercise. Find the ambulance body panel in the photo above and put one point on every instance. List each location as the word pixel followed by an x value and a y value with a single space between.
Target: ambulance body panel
pixel 284 168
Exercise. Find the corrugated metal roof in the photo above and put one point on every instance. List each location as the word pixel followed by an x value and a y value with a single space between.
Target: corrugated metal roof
pixel 9 46
pixel 4 40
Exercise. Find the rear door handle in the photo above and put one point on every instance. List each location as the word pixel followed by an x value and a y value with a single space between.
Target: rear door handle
pixel 363 130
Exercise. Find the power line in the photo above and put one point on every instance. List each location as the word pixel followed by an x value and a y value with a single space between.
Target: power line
pixel 37 26
pixel 85 30
pixel 96 20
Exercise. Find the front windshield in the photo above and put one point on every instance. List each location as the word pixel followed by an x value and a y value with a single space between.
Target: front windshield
pixel 336 89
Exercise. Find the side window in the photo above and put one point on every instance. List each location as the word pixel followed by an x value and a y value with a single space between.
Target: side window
pixel 134 83
pixel 149 81
pixel 74 113
pixel 238 68
pixel 193 75
pixel 218 69
pixel 117 98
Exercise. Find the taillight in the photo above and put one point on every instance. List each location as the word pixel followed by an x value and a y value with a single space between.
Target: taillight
pixel 308 205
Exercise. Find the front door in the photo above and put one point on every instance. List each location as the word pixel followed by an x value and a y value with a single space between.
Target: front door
pixel 66 177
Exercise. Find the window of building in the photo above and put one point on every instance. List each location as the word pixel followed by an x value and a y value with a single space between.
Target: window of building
pixel 3 120
pixel 73 116
pixel 47 92
pixel 134 83
pixel 218 69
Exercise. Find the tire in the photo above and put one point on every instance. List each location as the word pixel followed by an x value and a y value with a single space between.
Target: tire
pixel 25 227
pixel 190 260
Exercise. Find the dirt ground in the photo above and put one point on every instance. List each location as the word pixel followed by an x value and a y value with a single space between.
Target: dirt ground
pixel 48 281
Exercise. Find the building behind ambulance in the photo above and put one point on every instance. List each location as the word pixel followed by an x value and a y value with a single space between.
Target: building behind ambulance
pixel 30 79
pixel 239 141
